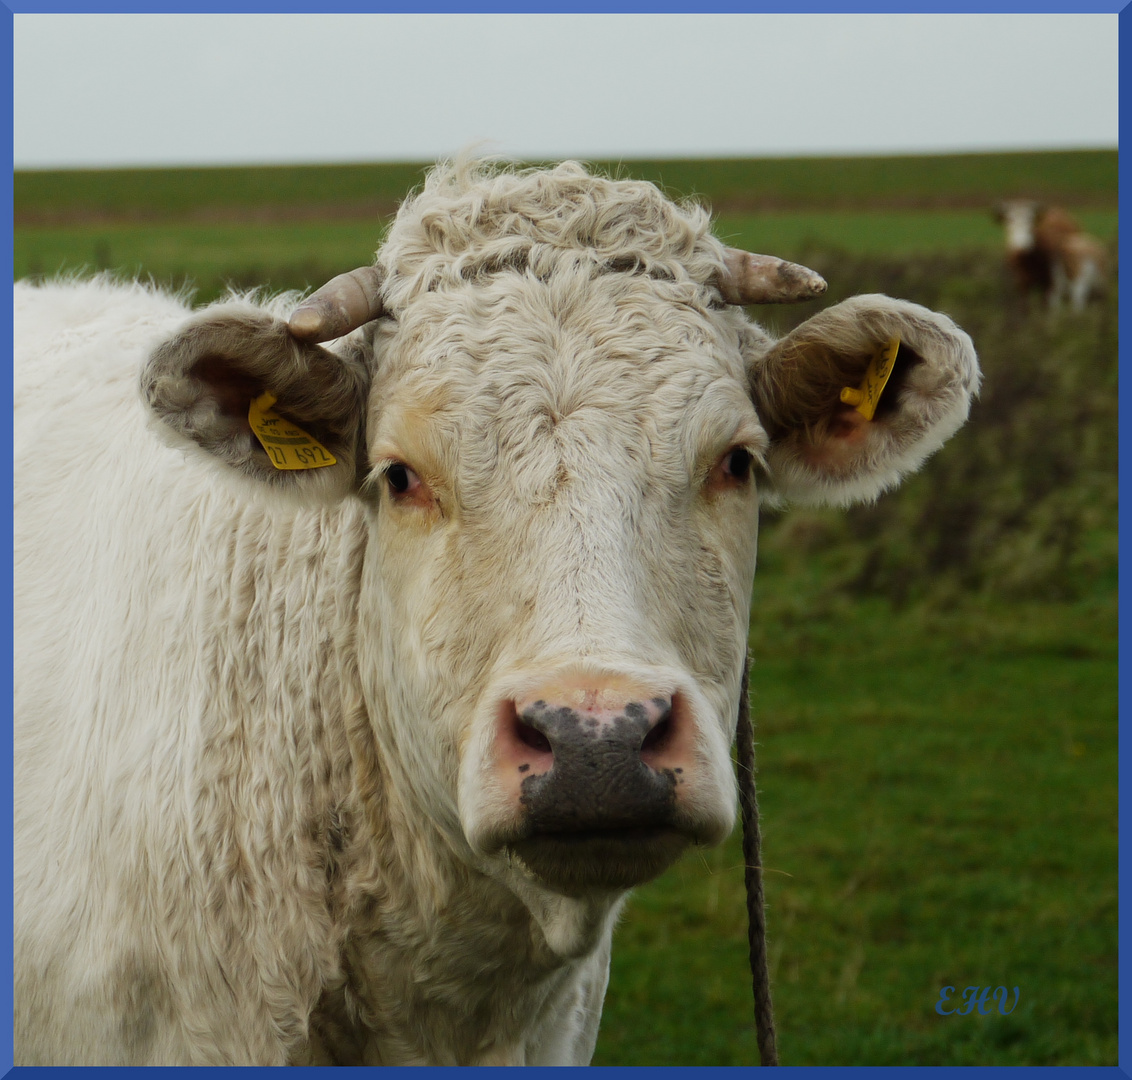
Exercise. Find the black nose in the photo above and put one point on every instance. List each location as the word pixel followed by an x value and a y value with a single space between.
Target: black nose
pixel 599 780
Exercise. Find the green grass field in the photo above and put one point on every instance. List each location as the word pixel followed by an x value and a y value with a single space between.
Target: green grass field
pixel 303 254
pixel 1086 178
pixel 290 227
pixel 934 686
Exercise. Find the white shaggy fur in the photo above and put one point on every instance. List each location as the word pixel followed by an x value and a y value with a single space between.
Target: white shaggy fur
pixel 258 817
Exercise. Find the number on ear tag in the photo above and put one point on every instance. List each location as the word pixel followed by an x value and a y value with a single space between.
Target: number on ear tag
pixel 288 446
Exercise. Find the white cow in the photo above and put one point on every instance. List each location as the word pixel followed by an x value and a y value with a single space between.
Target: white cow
pixel 356 763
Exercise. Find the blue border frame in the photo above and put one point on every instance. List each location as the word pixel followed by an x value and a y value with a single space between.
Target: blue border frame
pixel 819 7
pixel 814 6
pixel 1124 518
pixel 6 883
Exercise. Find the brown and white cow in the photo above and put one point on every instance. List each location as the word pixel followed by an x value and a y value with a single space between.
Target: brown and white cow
pixel 1047 252
pixel 356 763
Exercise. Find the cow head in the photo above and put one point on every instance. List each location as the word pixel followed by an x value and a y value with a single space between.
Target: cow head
pixel 1019 219
pixel 561 423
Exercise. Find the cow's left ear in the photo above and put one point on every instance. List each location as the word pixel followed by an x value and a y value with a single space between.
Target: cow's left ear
pixel 826 450
pixel 202 381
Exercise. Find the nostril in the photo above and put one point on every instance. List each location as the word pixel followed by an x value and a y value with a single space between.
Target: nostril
pixel 532 737
pixel 520 750
pixel 658 737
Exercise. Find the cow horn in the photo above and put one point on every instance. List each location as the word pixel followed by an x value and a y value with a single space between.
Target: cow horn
pixel 343 304
pixel 764 279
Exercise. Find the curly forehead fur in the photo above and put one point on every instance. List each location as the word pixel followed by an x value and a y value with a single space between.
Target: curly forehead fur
pixel 612 363
pixel 473 219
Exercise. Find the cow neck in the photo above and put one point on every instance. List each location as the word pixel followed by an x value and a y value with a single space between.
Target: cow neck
pixel 439 959
pixel 276 662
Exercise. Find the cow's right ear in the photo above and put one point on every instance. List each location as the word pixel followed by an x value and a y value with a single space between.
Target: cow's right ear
pixel 201 384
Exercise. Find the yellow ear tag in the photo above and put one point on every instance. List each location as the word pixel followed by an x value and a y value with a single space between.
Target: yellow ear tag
pixel 288 446
pixel 864 399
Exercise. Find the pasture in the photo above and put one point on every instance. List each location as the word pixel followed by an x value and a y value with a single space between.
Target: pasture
pixel 934 685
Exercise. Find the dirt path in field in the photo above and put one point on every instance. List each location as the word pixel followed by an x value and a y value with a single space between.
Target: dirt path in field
pixel 266 214
pixel 370 210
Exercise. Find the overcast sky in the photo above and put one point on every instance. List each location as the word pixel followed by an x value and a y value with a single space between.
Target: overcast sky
pixel 95 90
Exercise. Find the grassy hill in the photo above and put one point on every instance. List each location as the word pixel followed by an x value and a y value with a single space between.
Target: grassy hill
pixel 325 192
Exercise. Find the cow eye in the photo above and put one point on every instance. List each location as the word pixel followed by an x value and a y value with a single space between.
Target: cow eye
pixel 733 470
pixel 401 479
pixel 737 463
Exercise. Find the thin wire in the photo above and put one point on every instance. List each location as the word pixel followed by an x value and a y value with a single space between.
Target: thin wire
pixel 753 878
